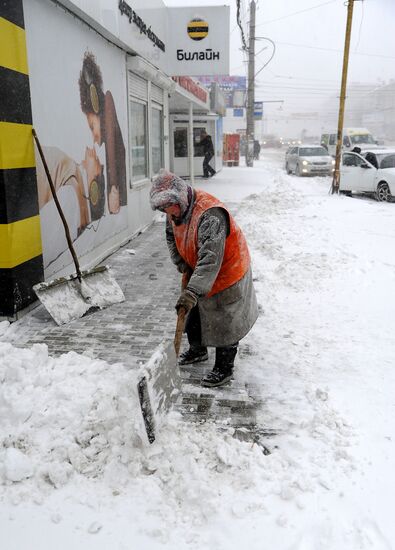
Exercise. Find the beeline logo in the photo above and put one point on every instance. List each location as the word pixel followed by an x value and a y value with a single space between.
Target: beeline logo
pixel 197 29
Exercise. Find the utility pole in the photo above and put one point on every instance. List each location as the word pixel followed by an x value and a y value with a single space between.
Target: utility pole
pixel 251 89
pixel 336 174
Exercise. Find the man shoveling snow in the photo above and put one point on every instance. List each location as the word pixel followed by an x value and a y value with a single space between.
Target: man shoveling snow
pixel 209 248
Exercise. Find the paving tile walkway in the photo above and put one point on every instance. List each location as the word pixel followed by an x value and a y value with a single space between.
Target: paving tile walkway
pixel 130 332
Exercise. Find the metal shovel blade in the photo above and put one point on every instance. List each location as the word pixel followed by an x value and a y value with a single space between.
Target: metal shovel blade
pixel 67 298
pixel 158 386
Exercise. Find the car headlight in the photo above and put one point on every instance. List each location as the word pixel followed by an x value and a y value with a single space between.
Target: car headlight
pixel 305 163
pixel 333 162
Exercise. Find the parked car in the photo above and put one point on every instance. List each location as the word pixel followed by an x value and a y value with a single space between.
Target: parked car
pixel 372 172
pixel 309 160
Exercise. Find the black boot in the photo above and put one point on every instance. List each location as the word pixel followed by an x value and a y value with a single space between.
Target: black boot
pixel 195 354
pixel 223 368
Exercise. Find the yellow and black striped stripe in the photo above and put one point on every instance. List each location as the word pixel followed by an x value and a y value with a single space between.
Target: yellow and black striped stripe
pixel 21 264
pixel 197 29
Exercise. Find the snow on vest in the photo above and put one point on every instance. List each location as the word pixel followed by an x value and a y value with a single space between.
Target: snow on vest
pixel 236 260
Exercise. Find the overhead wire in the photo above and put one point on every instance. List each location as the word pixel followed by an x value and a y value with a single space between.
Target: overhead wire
pixel 351 90
pixel 271 57
pixel 244 13
pixel 288 77
pixel 296 13
pixel 243 40
pixel 334 50
pixel 294 92
pixel 359 31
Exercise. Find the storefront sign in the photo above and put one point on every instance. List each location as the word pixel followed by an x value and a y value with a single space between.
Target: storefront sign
pixel 205 55
pixel 192 87
pixel 178 40
pixel 198 40
pixel 125 9
pixel 139 25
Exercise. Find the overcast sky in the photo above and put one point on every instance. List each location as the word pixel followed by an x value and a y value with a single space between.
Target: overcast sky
pixel 309 39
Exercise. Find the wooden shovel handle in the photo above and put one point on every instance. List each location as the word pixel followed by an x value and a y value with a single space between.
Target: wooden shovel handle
pixel 179 329
pixel 181 313
pixel 55 198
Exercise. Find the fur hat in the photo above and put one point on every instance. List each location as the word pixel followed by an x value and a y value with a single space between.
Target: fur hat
pixel 168 189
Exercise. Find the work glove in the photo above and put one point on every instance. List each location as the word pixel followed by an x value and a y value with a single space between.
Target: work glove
pixel 182 267
pixel 187 300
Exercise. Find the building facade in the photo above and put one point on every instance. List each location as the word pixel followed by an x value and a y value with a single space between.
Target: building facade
pixel 92 79
pixel 370 106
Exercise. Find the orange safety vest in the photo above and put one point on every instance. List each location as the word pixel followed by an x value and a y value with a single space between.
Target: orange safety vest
pixel 236 260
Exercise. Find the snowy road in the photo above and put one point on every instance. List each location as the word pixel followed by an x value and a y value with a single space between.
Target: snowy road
pixel 323 349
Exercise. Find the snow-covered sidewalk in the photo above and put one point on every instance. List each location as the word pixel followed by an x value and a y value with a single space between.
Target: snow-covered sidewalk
pixel 75 475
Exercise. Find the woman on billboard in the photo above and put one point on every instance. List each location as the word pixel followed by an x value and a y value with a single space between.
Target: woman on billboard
pixel 101 115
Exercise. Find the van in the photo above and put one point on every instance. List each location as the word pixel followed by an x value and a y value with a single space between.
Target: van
pixel 352 137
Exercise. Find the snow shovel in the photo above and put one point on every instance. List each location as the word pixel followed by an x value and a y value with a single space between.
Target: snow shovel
pixel 70 297
pixel 159 382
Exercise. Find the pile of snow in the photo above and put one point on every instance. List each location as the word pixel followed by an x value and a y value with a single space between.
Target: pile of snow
pixel 62 416
pixel 4 326
pixel 71 431
pixel 73 463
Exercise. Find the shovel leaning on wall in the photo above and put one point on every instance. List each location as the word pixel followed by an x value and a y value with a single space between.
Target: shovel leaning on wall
pixel 70 297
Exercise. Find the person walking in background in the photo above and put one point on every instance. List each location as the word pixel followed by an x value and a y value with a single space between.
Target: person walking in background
pixel 208 150
pixel 209 248
pixel 257 149
pixel 101 116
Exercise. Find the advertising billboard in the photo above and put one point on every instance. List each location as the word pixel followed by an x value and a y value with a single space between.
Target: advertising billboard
pixel 78 95
pixel 233 87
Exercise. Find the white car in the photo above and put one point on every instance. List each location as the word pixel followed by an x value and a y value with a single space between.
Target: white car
pixel 308 160
pixel 371 173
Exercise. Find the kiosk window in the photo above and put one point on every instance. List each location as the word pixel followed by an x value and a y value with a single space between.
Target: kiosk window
pixel 157 140
pixel 181 142
pixel 138 140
